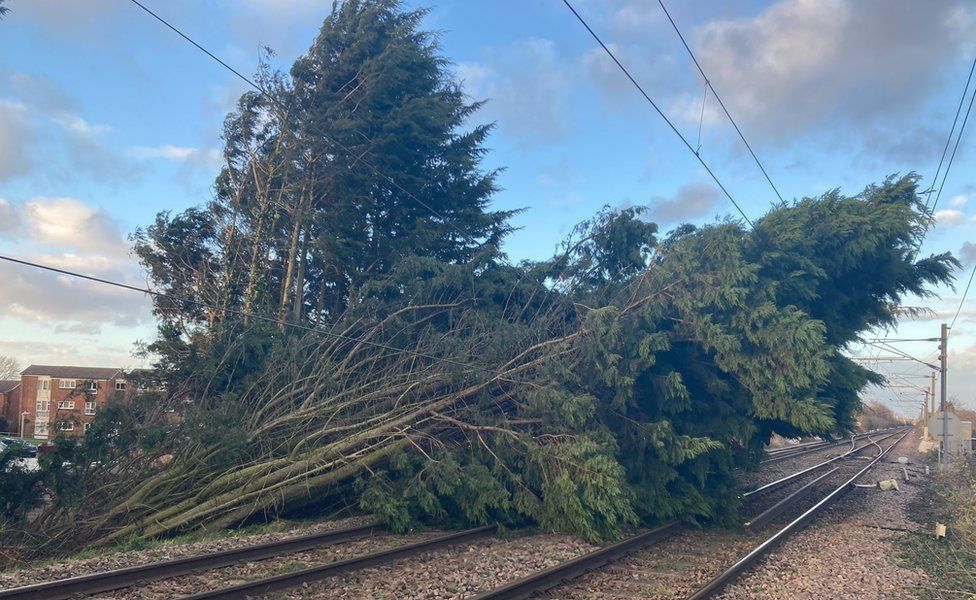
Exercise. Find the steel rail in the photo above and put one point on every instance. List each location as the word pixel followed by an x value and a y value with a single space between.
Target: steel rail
pixel 94 583
pixel 743 563
pixel 290 580
pixel 784 456
pixel 784 480
pixel 571 569
pixel 765 517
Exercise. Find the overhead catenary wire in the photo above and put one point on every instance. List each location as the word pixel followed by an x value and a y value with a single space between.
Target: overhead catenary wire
pixel 241 313
pixel 708 85
pixel 660 112
pixel 955 147
pixel 328 138
pixel 360 158
pixel 901 354
pixel 945 149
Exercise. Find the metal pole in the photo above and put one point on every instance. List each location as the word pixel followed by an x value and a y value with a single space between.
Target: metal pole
pixel 925 416
pixel 22 425
pixel 944 345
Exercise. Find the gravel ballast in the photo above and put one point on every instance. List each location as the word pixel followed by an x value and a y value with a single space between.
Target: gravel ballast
pixel 117 560
pixel 851 550
pixel 456 572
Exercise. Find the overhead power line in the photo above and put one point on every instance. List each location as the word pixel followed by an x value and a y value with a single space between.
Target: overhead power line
pixel 952 129
pixel 360 158
pixel 955 147
pixel 656 108
pixel 894 340
pixel 901 354
pixel 242 313
pixel 708 84
pixel 328 138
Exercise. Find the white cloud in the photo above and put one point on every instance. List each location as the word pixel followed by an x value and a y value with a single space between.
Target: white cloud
pixel 77 146
pixel 72 224
pixel 41 297
pixel 165 151
pixel 950 217
pixel 205 158
pixel 654 70
pixel 692 200
pixel 527 88
pixel 802 64
pixel 77 125
pixel 958 201
pixel 69 234
pixel 286 26
pixel 967 254
pixel 17 140
pixel 10 221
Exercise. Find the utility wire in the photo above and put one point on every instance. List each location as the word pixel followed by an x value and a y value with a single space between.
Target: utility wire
pixel 325 136
pixel 894 340
pixel 901 354
pixel 952 156
pixel 241 313
pixel 360 157
pixel 952 129
pixel 964 294
pixel 708 84
pixel 656 108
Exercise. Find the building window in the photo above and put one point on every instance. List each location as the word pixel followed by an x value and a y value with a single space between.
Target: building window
pixel 43 384
pixel 92 386
pixel 87 426
pixel 43 406
pixel 66 384
pixel 40 429
pixel 66 404
pixel 119 386
pixel 66 426
pixel 89 408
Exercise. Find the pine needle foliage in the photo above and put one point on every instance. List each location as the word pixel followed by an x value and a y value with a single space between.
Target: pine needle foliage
pixel 619 383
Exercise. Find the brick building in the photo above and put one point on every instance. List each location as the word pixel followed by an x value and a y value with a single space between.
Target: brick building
pixel 65 399
pixel 10 405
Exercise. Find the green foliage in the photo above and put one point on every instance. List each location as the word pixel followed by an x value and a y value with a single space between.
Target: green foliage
pixel 620 382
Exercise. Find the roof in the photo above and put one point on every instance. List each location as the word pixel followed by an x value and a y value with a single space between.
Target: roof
pixel 8 385
pixel 70 372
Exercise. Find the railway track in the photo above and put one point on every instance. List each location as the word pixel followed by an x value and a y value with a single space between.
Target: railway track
pixel 784 483
pixel 788 452
pixel 120 579
pixel 673 562
pixel 650 552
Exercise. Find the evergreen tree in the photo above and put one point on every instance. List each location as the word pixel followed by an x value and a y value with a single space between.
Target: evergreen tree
pixel 355 161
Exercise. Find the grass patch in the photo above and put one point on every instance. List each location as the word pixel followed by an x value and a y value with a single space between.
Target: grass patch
pixel 950 562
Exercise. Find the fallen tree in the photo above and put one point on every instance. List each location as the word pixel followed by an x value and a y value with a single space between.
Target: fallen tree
pixel 620 382
pixel 393 362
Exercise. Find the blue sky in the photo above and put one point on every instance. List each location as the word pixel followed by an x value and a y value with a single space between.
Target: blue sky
pixel 107 118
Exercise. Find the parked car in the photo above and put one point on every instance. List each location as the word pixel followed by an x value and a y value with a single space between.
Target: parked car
pixel 28 447
pixel 46 447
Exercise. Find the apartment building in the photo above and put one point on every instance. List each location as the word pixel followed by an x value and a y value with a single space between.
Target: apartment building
pixel 63 400
pixel 10 405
